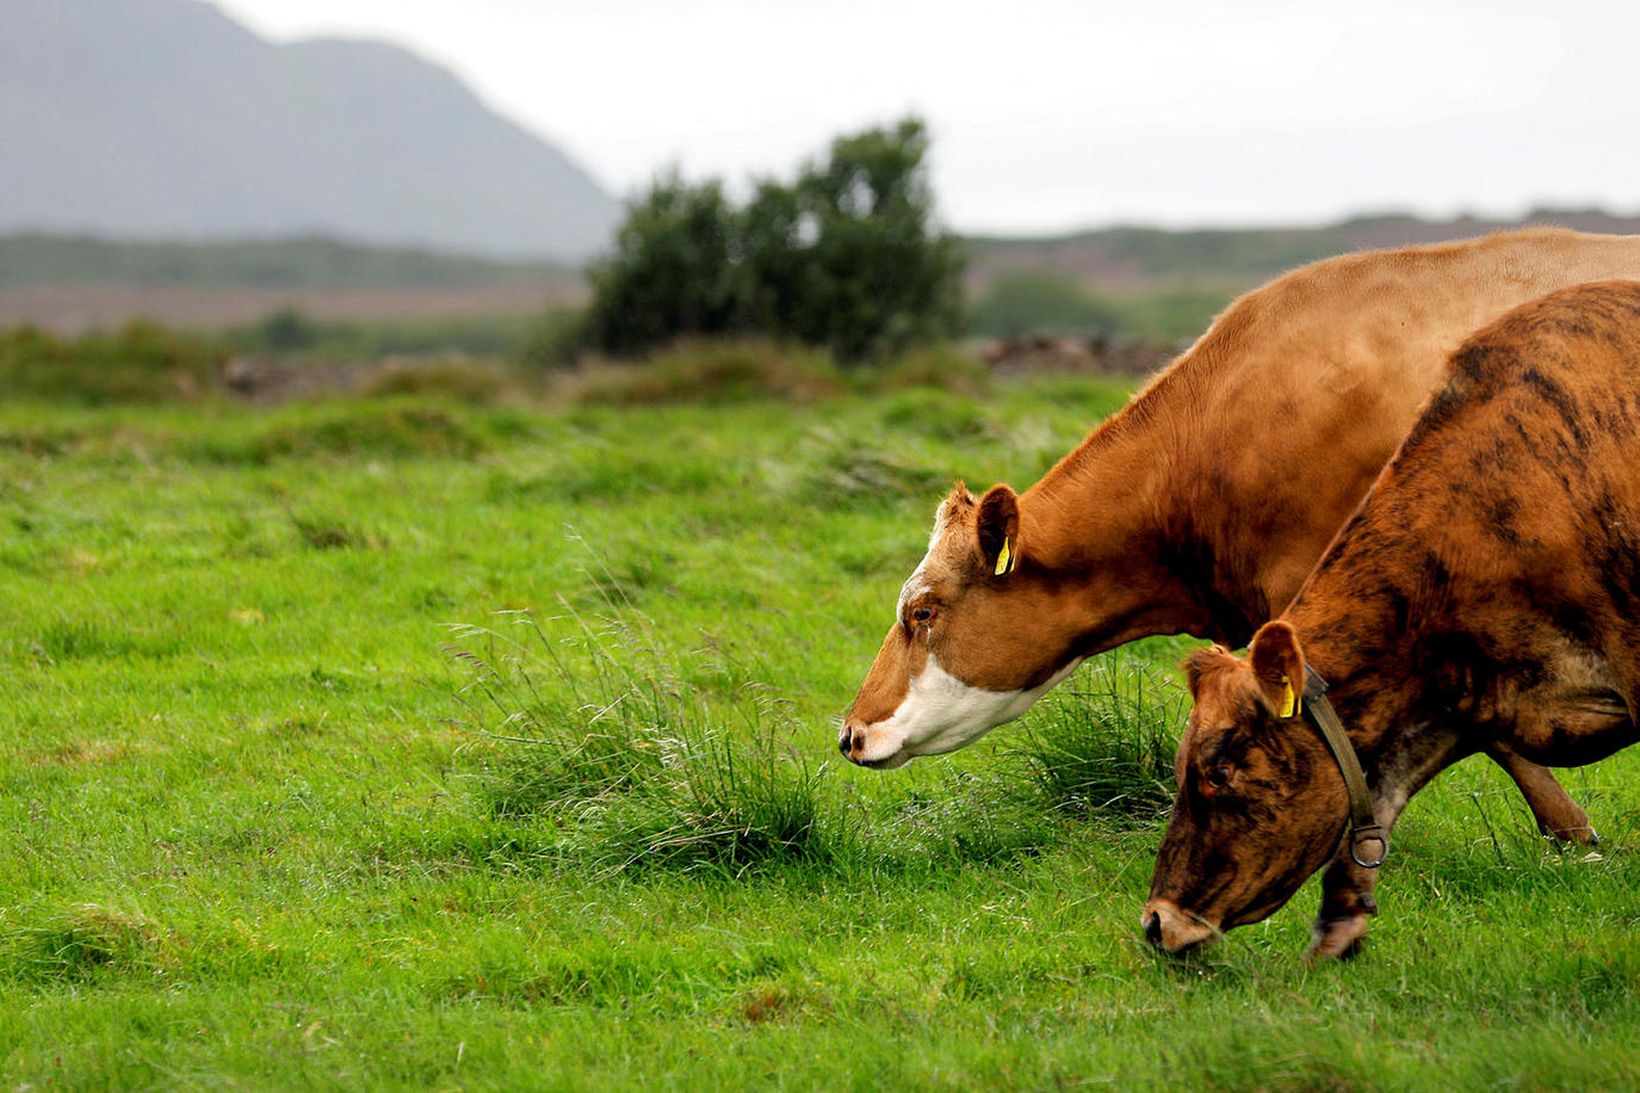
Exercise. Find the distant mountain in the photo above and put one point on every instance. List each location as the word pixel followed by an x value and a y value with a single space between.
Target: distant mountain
pixel 165 118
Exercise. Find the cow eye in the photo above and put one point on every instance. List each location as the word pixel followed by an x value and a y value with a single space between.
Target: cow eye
pixel 922 614
pixel 1218 777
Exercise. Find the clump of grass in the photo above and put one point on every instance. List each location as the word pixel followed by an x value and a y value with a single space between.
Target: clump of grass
pixel 140 363
pixel 846 471
pixel 320 533
pixel 970 819
pixel 711 372
pixel 942 366
pixel 939 415
pixel 722 371
pixel 78 943
pixel 472 382
pixel 38 442
pixel 356 430
pixel 77 639
pixel 725 803
pixel 637 769
pixel 1106 745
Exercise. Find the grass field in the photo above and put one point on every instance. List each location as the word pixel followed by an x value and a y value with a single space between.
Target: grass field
pixel 264 827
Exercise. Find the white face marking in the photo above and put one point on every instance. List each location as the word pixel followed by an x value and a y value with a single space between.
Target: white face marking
pixel 915 585
pixel 941 713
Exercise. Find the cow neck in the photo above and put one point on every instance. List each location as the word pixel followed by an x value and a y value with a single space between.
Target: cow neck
pixel 1097 522
pixel 1369 846
pixel 1112 520
pixel 1360 643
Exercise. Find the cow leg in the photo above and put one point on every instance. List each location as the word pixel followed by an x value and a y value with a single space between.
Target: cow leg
pixel 1556 813
pixel 1346 901
pixel 1346 888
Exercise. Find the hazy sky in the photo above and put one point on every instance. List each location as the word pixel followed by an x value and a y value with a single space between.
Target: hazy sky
pixel 1052 114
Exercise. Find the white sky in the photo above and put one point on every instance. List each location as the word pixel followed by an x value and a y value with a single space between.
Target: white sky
pixel 1052 114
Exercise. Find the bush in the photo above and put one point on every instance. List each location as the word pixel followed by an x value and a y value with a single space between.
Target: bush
pixel 849 257
pixel 846 257
pixel 673 272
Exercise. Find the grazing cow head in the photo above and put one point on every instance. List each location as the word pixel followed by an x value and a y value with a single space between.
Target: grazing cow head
pixel 1261 803
pixel 979 634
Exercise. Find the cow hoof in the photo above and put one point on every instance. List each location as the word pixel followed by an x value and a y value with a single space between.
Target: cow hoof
pixel 1576 836
pixel 1337 938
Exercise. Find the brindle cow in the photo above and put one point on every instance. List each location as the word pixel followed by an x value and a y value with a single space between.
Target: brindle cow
pixel 1486 593
pixel 1202 505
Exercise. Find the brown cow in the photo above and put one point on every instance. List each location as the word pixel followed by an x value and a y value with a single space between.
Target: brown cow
pixel 1486 593
pixel 1202 505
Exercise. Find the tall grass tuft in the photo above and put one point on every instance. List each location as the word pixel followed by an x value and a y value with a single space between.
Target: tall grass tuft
pixel 635 768
pixel 1105 745
pixel 78 943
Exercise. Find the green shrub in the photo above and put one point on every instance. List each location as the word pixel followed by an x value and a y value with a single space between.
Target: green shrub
pixel 850 257
pixel 673 274
pixel 846 257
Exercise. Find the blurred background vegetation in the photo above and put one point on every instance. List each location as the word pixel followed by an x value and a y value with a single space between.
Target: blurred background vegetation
pixel 840 274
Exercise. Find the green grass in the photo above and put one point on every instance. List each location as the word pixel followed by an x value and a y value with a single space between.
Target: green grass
pixel 264 828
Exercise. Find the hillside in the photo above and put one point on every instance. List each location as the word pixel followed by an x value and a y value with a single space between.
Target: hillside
pixel 71 284
pixel 1136 260
pixel 164 118
pixel 1153 284
pixel 36 260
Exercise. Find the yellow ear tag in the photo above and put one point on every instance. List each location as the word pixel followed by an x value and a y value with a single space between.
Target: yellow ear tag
pixel 1290 703
pixel 1004 559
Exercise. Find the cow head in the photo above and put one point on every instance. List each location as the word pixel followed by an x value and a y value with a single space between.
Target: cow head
pixel 1261 804
pixel 979 634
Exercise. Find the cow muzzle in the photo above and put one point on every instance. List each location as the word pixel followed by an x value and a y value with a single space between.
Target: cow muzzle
pixel 854 741
pixel 1174 930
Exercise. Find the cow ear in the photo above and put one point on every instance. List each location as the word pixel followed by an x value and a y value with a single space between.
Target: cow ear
pixel 1278 668
pixel 1201 662
pixel 999 531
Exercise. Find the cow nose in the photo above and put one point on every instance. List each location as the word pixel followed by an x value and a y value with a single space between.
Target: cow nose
pixel 1172 930
pixel 845 739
